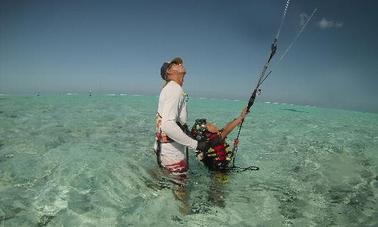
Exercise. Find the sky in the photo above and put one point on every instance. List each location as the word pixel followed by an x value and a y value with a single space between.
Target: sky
pixel 119 46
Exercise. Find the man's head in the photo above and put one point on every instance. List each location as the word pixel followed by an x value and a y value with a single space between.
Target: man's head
pixel 173 70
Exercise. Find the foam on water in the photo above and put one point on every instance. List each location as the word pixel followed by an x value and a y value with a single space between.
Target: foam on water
pixel 80 160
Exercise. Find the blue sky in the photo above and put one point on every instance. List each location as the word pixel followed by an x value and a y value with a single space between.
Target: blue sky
pixel 119 46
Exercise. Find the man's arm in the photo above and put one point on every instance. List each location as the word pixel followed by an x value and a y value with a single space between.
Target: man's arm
pixel 174 132
pixel 169 115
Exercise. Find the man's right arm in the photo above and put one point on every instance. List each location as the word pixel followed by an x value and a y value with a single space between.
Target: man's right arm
pixel 169 114
pixel 174 132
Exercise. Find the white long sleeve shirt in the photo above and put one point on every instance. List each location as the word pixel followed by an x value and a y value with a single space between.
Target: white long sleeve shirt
pixel 172 109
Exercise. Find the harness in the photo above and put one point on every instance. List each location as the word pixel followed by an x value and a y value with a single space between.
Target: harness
pixel 161 137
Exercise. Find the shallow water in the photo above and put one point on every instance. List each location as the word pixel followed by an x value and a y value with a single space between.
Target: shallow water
pixel 88 161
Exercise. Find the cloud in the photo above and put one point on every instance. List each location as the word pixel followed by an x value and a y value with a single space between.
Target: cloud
pixel 324 24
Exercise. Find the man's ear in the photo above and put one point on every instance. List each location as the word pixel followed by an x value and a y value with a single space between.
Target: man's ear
pixel 169 74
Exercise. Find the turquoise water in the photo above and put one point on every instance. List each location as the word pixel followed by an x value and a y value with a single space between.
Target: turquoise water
pixel 88 161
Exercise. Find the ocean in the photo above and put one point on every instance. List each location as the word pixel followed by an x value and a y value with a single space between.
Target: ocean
pixel 88 161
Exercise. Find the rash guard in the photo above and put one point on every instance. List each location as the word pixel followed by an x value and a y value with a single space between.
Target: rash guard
pixel 172 109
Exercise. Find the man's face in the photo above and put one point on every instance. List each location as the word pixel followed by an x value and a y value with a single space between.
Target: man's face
pixel 179 70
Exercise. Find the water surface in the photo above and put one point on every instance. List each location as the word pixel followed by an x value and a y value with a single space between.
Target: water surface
pixel 88 161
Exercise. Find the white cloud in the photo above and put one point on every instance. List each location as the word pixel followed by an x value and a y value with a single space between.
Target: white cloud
pixel 324 24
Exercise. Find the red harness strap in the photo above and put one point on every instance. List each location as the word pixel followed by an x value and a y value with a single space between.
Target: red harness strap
pixel 159 135
pixel 163 138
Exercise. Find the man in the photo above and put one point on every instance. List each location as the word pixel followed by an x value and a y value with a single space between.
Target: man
pixel 171 140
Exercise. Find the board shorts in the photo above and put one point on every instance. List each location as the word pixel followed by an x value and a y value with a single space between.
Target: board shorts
pixel 172 157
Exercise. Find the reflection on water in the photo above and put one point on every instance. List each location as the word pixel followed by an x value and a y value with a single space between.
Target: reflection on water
pixel 295 110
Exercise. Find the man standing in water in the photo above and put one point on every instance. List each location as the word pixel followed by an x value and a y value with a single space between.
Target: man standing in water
pixel 171 138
